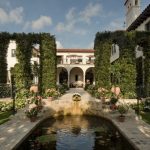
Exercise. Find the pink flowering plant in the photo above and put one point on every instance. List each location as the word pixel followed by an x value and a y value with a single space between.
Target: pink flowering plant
pixel 52 92
pixel 32 112
pixel 35 106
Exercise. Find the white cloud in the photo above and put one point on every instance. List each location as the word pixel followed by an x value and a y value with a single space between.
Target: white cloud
pixel 71 14
pixel 4 18
pixel 74 18
pixel 58 44
pixel 14 16
pixel 116 24
pixel 69 23
pixel 41 22
pixel 90 11
pixel 38 24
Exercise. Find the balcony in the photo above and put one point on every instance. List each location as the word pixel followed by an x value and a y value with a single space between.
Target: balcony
pixel 76 61
pixel 90 62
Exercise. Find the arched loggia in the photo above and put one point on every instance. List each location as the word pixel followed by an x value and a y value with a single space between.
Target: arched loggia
pixel 89 75
pixel 76 77
pixel 62 75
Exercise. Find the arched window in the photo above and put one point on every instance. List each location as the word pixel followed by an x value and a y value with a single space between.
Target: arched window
pixel 114 52
pixel 114 49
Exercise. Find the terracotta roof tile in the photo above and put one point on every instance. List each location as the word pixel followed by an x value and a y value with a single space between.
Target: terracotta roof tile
pixel 76 50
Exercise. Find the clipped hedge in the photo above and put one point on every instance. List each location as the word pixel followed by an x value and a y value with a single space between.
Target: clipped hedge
pixel 126 69
pixel 4 40
pixel 102 64
pixel 22 72
pixel 48 62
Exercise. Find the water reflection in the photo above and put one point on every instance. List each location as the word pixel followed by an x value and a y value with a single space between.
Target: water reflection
pixel 75 133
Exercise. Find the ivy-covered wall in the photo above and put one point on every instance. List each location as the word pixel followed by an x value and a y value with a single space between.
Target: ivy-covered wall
pixel 22 71
pixel 102 63
pixel 48 62
pixel 4 40
pixel 123 72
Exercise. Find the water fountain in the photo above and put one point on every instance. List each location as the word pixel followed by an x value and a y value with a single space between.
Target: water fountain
pixel 76 109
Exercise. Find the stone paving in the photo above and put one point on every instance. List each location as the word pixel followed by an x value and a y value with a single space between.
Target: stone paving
pixel 13 132
pixel 134 129
pixel 5 100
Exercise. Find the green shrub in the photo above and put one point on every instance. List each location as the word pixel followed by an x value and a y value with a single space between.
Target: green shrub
pixel 86 86
pixel 124 72
pixel 123 109
pixel 91 89
pixel 113 100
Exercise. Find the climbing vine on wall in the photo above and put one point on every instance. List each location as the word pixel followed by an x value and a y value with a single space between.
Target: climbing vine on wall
pixel 102 64
pixel 23 54
pixel 124 69
pixel 4 40
pixel 48 61
pixel 22 71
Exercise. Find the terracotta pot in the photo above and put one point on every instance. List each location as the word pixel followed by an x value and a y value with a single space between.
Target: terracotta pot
pixel 115 90
pixel 121 118
pixel 113 107
pixel 50 98
pixel 34 89
pixel 33 119
pixel 40 107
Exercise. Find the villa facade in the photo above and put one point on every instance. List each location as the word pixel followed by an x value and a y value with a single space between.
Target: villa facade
pixel 12 60
pixel 75 67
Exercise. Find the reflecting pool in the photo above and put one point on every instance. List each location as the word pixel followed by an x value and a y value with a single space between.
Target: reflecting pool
pixel 75 133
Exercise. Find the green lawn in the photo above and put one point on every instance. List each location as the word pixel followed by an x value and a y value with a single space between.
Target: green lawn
pixel 4 116
pixel 146 116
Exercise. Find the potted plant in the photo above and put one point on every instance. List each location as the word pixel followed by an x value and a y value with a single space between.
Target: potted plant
pixel 50 93
pixel 32 113
pixel 113 102
pixel 37 100
pixel 103 92
pixel 122 109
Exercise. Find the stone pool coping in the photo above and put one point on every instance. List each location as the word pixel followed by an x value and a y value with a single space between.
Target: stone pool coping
pixel 137 132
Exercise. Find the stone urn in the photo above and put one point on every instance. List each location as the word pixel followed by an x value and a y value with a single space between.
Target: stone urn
pixel 115 90
pixel 34 89
pixel 50 98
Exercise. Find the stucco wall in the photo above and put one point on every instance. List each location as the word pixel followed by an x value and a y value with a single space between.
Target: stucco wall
pixel 11 61
pixel 142 26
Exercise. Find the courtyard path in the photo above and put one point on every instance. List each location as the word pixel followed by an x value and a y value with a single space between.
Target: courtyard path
pixel 18 128
pixel 84 94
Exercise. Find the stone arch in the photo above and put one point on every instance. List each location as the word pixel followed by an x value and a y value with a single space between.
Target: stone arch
pixel 62 75
pixel 76 77
pixel 89 75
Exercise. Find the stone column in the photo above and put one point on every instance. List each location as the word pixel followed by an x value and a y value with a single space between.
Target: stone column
pixel 64 60
pixel 68 78
pixel 58 76
pixel 84 78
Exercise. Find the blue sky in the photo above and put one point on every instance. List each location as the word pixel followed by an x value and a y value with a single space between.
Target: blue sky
pixel 73 22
